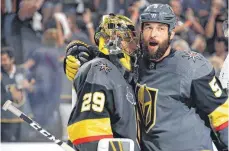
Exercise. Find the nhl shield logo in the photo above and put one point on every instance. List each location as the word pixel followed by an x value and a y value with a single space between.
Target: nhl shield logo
pixel 130 96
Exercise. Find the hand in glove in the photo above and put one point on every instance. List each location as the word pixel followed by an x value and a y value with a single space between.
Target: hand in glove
pixel 77 53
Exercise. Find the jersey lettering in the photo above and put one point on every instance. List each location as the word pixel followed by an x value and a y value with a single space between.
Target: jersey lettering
pixel 94 101
pixel 215 87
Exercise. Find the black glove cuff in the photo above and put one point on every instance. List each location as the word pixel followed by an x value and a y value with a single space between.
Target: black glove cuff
pixel 76 47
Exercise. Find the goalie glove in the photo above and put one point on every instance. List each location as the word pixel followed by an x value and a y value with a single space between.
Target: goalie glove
pixel 77 53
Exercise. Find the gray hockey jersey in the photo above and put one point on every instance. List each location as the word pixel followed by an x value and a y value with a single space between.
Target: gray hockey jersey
pixel 105 106
pixel 171 94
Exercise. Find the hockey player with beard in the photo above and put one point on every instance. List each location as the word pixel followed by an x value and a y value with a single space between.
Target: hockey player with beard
pixel 176 90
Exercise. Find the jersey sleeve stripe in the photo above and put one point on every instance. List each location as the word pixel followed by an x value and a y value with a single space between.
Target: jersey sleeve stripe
pixel 220 115
pixel 221 127
pixel 90 139
pixel 90 128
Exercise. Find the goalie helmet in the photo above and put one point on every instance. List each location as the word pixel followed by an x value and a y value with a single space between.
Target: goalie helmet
pixel 116 35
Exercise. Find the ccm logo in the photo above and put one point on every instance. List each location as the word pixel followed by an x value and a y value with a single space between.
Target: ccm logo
pixel 44 132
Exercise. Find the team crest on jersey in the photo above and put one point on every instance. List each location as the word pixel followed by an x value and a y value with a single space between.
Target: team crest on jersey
pixel 192 55
pixel 147 99
pixel 103 67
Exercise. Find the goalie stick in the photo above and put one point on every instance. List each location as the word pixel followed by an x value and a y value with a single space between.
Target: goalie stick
pixel 8 106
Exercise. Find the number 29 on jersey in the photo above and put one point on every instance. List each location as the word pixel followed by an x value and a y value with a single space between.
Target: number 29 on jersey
pixel 93 101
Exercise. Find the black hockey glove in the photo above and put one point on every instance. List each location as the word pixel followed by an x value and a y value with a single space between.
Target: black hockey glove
pixel 77 53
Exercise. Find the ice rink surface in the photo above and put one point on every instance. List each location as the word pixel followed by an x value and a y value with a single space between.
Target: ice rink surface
pixel 30 147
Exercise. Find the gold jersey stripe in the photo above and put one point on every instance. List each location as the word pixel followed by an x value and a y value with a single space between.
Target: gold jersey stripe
pixel 88 128
pixel 219 115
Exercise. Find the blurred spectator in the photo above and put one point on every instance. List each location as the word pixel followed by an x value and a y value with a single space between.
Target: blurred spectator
pixel 68 30
pixel 216 19
pixel 217 63
pixel 13 87
pixel 188 26
pixel 199 45
pixel 46 70
pixel 60 23
pixel 159 1
pixel 220 54
pixel 69 6
pixel 62 26
pixel 70 23
pixel 27 8
pixel 220 48
pixel 49 8
pixel 113 6
pixel 214 24
pixel 30 39
pixel 8 7
pixel 181 45
pixel 89 24
pixel 76 33
pixel 134 11
pixel 17 28
pixel 201 8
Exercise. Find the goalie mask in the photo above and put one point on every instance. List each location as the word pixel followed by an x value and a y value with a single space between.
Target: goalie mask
pixel 116 36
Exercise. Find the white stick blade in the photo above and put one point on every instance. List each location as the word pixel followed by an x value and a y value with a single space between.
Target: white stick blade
pixel 66 147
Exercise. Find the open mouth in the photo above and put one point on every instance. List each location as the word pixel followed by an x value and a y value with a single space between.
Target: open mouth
pixel 153 43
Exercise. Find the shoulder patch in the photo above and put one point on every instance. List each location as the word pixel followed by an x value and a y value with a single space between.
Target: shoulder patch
pixel 192 55
pixel 103 67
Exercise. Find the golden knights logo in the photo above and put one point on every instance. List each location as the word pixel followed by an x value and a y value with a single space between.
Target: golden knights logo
pixel 103 67
pixel 147 99
pixel 192 55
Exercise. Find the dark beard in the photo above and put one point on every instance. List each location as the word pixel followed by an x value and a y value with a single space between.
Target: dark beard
pixel 159 53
